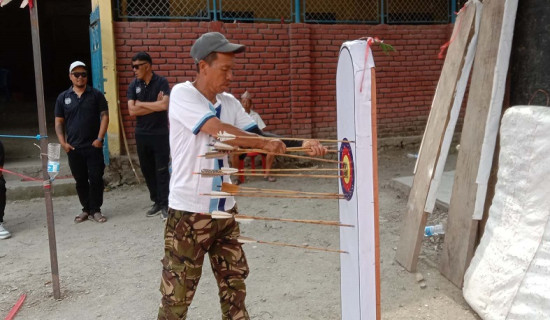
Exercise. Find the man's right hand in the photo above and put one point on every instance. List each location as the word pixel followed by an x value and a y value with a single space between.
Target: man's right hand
pixel 67 147
pixel 275 146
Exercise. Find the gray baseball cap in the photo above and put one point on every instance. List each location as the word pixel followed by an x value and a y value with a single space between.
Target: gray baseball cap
pixel 213 42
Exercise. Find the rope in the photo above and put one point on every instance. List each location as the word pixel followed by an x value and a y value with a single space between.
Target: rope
pixel 20 175
pixel 37 137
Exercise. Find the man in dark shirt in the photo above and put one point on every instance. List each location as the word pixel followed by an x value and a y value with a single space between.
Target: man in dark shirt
pixel 81 112
pixel 4 233
pixel 148 97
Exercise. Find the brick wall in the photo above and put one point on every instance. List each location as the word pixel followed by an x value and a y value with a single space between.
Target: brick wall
pixel 291 70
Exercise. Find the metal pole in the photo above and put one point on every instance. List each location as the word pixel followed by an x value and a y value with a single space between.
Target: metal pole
pixel 215 9
pixel 44 146
pixel 453 10
pixel 297 10
pixel 382 12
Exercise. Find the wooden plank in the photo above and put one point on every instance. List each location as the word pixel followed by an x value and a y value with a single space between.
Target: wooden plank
pixel 375 189
pixel 495 107
pixel 460 237
pixel 453 115
pixel 412 228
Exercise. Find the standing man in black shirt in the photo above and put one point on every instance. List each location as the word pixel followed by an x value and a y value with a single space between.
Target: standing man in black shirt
pixel 148 97
pixel 81 112
pixel 4 233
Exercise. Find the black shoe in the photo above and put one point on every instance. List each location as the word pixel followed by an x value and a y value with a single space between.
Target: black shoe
pixel 154 211
pixel 164 214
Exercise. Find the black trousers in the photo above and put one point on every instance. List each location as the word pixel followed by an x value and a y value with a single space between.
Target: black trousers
pixel 2 197
pixel 154 157
pixel 87 167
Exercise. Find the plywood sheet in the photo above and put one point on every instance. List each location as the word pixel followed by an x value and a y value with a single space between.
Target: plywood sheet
pixel 412 229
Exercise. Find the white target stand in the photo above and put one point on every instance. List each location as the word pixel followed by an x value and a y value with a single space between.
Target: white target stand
pixel 356 104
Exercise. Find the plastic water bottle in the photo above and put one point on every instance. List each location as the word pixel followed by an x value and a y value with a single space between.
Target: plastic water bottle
pixel 434 230
pixel 53 160
pixel 412 155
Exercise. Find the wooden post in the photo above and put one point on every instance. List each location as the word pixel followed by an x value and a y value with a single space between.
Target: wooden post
pixel 37 55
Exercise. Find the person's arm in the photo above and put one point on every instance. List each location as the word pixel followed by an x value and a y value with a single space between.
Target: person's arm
pixel 317 149
pixel 60 132
pixel 213 126
pixel 98 143
pixel 1 157
pixel 140 108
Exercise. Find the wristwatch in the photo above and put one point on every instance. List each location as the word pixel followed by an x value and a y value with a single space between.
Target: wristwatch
pixel 100 139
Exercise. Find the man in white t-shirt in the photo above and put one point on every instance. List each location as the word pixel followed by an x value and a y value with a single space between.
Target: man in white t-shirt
pixel 198 111
pixel 246 101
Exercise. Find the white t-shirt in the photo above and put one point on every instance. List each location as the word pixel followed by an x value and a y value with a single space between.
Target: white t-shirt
pixel 187 113
pixel 256 117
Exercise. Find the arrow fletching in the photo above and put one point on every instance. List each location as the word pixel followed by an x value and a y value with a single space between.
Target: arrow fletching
pixel 211 173
pixel 242 239
pixel 228 171
pixel 220 215
pixel 217 194
pixel 224 136
pixel 223 146
pixel 213 155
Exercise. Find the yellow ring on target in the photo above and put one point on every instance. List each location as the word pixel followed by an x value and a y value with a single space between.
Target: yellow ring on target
pixel 347 172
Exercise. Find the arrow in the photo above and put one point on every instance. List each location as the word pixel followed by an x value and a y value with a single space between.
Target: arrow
pixel 233 188
pixel 242 239
pixel 295 169
pixel 224 136
pixel 220 194
pixel 220 154
pixel 214 173
pixel 223 146
pixel 245 218
pixel 217 194
pixel 239 151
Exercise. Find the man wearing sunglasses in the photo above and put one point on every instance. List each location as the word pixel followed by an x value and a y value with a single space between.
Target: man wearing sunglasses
pixel 81 114
pixel 148 96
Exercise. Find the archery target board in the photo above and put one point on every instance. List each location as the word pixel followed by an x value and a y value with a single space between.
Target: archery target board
pixel 360 266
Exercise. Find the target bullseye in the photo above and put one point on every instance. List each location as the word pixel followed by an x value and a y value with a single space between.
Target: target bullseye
pixel 347 170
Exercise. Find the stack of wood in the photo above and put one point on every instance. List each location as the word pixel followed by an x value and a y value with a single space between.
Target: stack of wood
pixel 480 43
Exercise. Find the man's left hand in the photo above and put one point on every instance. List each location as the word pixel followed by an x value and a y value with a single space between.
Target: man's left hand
pixel 316 148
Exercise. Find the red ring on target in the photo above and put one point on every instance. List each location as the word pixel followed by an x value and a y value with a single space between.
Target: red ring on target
pixel 347 171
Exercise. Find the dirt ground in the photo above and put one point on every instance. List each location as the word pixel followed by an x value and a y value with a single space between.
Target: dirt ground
pixel 112 270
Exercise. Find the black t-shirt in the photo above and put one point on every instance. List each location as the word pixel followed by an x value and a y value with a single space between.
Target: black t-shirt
pixel 155 122
pixel 82 115
pixel 1 156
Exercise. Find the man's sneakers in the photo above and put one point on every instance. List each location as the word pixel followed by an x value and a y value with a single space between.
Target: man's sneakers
pixel 164 213
pixel 4 234
pixel 154 211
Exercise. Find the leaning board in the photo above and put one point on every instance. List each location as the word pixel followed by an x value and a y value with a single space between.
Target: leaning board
pixel 355 95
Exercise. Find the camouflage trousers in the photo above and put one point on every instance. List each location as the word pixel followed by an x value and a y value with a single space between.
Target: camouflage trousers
pixel 187 238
